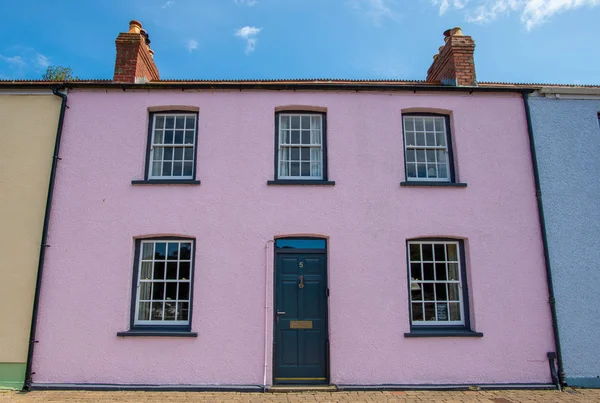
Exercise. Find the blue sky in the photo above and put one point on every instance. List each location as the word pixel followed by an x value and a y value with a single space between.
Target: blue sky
pixel 552 41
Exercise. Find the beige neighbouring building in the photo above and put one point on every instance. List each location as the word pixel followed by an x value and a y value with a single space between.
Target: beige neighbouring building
pixel 28 127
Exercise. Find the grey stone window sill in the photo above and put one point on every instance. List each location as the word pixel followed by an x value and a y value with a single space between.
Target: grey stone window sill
pixel 433 184
pixel 303 182
pixel 442 333
pixel 166 182
pixel 156 333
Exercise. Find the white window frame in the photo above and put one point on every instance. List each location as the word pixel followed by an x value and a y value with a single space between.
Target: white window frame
pixel 290 145
pixel 154 147
pixel 413 282
pixel 435 148
pixel 140 259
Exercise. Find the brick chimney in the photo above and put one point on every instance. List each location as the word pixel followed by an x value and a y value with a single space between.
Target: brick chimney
pixel 454 64
pixel 135 59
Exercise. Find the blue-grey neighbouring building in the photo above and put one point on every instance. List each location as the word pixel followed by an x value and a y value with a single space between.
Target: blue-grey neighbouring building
pixel 566 130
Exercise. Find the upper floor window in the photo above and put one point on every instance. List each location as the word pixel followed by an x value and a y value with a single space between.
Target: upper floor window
pixel 163 278
pixel 427 148
pixel 300 146
pixel 172 151
pixel 438 295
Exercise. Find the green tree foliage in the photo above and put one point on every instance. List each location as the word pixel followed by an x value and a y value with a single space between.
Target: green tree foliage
pixel 59 73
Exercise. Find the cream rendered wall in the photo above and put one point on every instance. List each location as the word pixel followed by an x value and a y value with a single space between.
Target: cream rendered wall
pixel 27 134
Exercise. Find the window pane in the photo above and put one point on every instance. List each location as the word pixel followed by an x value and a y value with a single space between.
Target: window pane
pixel 305 154
pixel 430 139
pixel 428 271
pixel 186 251
pixel 416 292
pixel 429 125
pixel 168 153
pixel 177 169
pixel 427 251
pixel 440 271
pixel 442 155
pixel 157 308
pixel 290 243
pixel 145 290
pixel 452 271
pixel 315 122
pixel 184 290
pixel 421 170
pixel 184 271
pixel 442 312
pixel 168 136
pixel 432 171
pixel 284 137
pixel 430 154
pixel 305 169
pixel 415 271
pixel 428 292
pixel 295 169
pixel 429 312
pixel 441 293
pixel 409 124
pixel 420 137
pixel 439 252
pixel 147 250
pixel 441 139
pixel 178 136
pixel 187 169
pixel 305 137
pixel 172 250
pixel 452 254
pixel 420 155
pixel 419 124
pixel 160 250
pixel 295 137
pixel 315 137
pixel 295 153
pixel 159 122
pixel 417 311
pixel 305 122
pixel 170 308
pixel 410 156
pixel 455 312
pixel 158 291
pixel 415 252
pixel 156 168
pixel 190 122
pixel 182 311
pixel 170 122
pixel 188 154
pixel 284 122
pixel 411 170
pixel 171 270
pixel 171 291
pixel 453 292
pixel 166 171
pixel 158 137
pixel 157 154
pixel 159 271
pixel 295 122
pixel 189 137
pixel 410 139
pixel 146 273
pixel 439 124
pixel 180 122
pixel 144 311
pixel 442 171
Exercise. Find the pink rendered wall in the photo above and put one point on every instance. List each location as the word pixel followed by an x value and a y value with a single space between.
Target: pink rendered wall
pixel 367 216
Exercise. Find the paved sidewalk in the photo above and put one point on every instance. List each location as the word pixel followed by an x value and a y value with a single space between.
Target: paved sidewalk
pixel 502 396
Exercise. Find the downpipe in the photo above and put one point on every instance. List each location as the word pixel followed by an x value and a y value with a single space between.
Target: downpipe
pixel 558 379
pixel 266 347
pixel 44 245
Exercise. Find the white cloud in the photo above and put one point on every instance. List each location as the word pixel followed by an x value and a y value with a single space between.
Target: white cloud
pixel 42 60
pixel 248 3
pixel 532 12
pixel 249 34
pixel 168 4
pixel 376 10
pixel 15 61
pixel 191 45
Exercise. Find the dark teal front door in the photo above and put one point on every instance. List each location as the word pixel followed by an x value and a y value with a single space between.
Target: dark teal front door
pixel 300 349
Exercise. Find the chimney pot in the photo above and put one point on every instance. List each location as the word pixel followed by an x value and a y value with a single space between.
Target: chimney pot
pixel 135 27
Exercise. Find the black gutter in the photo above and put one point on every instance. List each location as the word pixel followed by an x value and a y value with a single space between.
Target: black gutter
pixel 538 191
pixel 44 245
pixel 313 86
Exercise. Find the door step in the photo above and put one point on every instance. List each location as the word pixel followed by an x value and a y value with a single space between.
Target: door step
pixel 302 388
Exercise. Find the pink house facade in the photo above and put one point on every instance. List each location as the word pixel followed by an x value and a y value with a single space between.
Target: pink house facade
pixel 248 235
